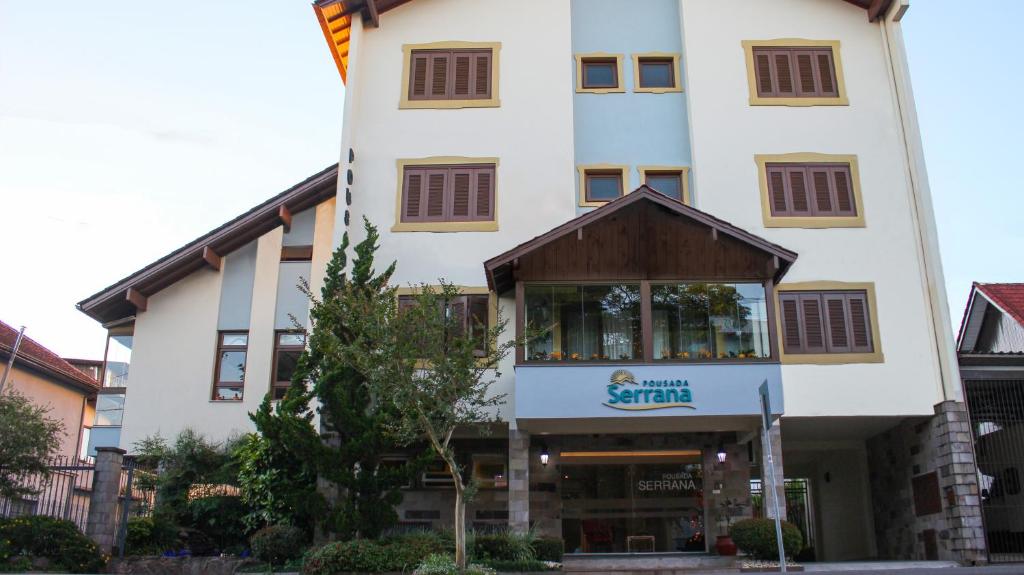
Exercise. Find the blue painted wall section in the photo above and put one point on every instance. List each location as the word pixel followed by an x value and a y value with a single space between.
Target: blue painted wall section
pixel 635 129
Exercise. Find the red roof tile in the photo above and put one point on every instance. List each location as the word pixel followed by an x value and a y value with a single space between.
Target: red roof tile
pixel 1009 298
pixel 35 354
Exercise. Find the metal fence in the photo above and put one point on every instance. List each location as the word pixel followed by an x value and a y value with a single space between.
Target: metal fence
pixel 996 408
pixel 136 498
pixel 63 493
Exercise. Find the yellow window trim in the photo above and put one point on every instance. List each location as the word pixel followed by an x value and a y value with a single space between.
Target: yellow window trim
pixel 492 302
pixel 755 100
pixel 582 171
pixel 443 227
pixel 621 88
pixel 675 73
pixel 685 176
pixel 810 222
pixel 404 103
pixel 830 358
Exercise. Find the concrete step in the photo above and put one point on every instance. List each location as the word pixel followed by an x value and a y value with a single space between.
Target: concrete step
pixel 648 564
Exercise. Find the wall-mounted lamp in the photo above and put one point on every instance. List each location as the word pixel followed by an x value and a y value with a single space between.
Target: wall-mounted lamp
pixel 544 455
pixel 722 455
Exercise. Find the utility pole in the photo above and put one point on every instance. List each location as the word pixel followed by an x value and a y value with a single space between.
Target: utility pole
pixel 10 363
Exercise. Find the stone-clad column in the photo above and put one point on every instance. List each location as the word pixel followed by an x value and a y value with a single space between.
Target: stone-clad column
pixel 106 487
pixel 958 476
pixel 773 441
pixel 518 481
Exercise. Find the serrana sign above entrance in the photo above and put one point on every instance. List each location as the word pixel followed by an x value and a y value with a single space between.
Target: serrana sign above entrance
pixel 650 393
pixel 649 390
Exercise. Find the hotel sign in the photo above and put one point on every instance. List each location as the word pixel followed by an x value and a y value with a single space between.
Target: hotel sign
pixel 649 390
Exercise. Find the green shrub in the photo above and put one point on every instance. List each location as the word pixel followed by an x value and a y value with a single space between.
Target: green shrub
pixel 756 537
pixel 439 564
pixel 516 566
pixel 361 555
pixel 150 536
pixel 58 540
pixel 503 546
pixel 277 544
pixel 548 548
pixel 408 550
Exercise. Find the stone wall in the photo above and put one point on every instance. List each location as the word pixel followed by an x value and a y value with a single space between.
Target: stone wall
pixel 908 454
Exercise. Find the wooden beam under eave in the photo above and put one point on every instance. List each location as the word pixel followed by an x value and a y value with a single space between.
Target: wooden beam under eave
pixel 877 9
pixel 136 298
pixel 371 11
pixel 211 258
pixel 285 215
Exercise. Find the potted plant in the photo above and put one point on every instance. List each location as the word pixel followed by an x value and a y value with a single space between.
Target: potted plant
pixel 727 509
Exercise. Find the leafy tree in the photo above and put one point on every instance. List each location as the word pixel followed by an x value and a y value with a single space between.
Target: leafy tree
pixel 354 423
pixel 425 363
pixel 28 438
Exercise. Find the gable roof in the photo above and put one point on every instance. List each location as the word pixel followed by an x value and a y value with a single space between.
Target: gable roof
pixel 112 303
pixel 335 18
pixel 1008 298
pixel 499 268
pixel 34 355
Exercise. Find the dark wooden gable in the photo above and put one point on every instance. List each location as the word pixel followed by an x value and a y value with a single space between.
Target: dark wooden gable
pixel 643 235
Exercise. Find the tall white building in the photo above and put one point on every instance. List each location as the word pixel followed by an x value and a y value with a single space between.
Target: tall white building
pixel 696 197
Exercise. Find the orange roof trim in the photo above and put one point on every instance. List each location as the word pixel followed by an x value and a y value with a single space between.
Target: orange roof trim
pixel 336 24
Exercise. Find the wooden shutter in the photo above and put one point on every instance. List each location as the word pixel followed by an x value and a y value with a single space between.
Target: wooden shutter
pixel 844 191
pixel 826 71
pixel 791 340
pixel 479 321
pixel 763 71
pixel 812 322
pixel 482 74
pixel 433 209
pixel 412 195
pixel 461 193
pixel 783 64
pixel 483 208
pixel 439 74
pixel 418 76
pixel 838 326
pixel 860 323
pixel 463 70
pixel 777 190
pixel 807 82
pixel 799 202
pixel 822 189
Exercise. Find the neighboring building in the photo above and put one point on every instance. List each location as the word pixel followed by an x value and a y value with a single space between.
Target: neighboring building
pixel 47 380
pixel 91 367
pixel 779 231
pixel 991 350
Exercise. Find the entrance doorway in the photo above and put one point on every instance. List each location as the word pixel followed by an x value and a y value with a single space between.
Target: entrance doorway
pixel 632 502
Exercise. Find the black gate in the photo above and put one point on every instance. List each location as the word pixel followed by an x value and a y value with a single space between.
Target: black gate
pixel 799 509
pixel 136 497
pixel 63 494
pixel 996 408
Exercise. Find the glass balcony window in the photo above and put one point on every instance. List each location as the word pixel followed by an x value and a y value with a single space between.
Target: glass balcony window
pixel 584 322
pixel 709 321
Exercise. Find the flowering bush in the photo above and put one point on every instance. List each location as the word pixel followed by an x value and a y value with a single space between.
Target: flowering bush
pixel 56 540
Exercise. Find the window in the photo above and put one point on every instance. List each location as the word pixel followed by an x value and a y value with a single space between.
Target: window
pixel 599 73
pixel 702 321
pixel 671 181
pixel 656 73
pixel 447 197
pixel 296 253
pixel 118 356
pixel 794 73
pixel 490 470
pixel 450 75
pixel 288 346
pixel 600 184
pixel 810 190
pixel 828 322
pixel 471 312
pixel 109 409
pixel 584 322
pixel 229 378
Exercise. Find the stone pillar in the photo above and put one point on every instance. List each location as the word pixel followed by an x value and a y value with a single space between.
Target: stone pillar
pixel 728 481
pixel 958 477
pixel 773 441
pixel 518 481
pixel 106 487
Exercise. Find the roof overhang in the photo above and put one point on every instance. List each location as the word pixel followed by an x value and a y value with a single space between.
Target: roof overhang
pixel 502 270
pixel 127 296
pixel 335 18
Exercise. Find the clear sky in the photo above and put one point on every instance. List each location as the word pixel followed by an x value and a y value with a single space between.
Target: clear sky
pixel 130 128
